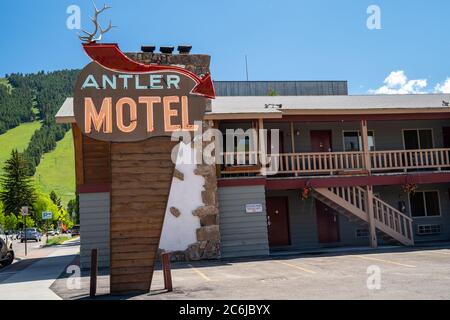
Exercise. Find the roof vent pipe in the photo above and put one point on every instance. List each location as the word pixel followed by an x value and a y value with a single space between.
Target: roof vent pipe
pixel 166 50
pixel 150 49
pixel 184 49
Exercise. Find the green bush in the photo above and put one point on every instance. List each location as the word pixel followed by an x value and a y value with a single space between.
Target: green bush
pixel 56 240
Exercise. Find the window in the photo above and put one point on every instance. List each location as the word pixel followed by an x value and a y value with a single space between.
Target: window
pixel 242 144
pixel 418 139
pixel 352 141
pixel 425 229
pixel 425 204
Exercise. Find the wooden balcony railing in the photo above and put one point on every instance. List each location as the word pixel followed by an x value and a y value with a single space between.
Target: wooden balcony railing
pixel 318 162
pixel 330 163
pixel 410 159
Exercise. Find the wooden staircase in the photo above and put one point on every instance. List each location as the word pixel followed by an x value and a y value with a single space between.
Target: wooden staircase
pixel 351 202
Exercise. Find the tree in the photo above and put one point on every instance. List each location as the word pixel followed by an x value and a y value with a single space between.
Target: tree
pixel 11 222
pixel 8 222
pixel 55 199
pixel 45 203
pixel 272 93
pixel 73 207
pixel 16 185
pixel 60 216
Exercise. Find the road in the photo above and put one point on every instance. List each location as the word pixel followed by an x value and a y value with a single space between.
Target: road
pixel 35 251
pixel 32 246
pixel 30 277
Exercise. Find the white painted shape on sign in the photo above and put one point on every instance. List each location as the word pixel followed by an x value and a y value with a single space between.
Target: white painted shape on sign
pixel 179 233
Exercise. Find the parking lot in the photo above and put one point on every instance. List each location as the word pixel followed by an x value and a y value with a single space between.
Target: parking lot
pixel 382 274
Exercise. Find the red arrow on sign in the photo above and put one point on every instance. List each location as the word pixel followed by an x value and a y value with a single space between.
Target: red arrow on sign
pixel 111 57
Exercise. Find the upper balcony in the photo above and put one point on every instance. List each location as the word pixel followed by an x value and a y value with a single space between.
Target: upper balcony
pixel 331 136
pixel 336 163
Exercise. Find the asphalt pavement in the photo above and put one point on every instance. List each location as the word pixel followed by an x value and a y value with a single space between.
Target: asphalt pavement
pixel 31 276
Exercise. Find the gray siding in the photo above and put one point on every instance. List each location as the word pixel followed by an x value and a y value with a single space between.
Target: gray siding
pixel 388 134
pixel 282 88
pixel 394 194
pixel 302 219
pixel 94 228
pixel 242 234
pixel 303 224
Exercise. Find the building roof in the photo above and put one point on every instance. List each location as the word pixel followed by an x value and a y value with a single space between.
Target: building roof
pixel 65 113
pixel 277 106
pixel 281 88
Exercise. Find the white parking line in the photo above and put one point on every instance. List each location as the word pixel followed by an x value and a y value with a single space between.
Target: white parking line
pixel 446 253
pixel 294 266
pixel 386 261
pixel 201 274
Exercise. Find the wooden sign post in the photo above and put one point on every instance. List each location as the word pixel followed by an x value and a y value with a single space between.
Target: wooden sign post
pixel 135 108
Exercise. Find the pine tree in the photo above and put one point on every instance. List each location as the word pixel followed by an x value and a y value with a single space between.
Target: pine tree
pixel 16 185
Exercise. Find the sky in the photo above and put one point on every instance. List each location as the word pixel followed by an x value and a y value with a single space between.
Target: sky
pixel 283 39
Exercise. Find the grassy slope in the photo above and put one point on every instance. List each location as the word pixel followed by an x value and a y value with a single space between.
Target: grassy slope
pixel 16 138
pixel 57 170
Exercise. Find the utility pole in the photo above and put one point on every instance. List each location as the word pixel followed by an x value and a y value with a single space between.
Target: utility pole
pixel 246 67
pixel 24 228
pixel 25 233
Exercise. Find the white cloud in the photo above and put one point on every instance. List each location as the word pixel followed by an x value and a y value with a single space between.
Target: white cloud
pixel 443 88
pixel 396 78
pixel 397 83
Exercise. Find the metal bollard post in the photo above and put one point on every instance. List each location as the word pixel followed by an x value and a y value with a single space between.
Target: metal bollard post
pixel 165 259
pixel 94 271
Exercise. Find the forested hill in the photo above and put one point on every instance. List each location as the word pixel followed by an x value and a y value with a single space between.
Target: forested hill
pixel 15 107
pixel 31 96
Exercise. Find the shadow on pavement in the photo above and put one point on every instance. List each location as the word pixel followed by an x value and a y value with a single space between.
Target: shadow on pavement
pixel 42 269
pixel 296 254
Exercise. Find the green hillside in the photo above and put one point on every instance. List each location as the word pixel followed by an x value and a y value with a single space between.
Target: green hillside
pixel 17 138
pixel 57 170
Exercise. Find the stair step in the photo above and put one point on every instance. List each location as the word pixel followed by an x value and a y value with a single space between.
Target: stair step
pixel 332 199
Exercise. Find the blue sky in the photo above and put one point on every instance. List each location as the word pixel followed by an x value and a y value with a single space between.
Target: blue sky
pixel 284 40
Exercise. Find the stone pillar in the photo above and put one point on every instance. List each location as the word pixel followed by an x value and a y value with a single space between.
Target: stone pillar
pixel 208 234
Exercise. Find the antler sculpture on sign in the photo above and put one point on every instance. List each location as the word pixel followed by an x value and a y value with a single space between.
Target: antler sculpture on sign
pixel 90 37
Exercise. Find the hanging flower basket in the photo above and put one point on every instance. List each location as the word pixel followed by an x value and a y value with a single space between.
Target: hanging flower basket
pixel 410 188
pixel 305 193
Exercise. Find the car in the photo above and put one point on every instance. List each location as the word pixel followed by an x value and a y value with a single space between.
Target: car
pixel 31 234
pixel 52 233
pixel 75 230
pixel 6 249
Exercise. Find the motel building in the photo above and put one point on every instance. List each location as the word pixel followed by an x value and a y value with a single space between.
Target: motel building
pixel 348 171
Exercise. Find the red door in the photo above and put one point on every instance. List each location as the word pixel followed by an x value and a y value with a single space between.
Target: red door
pixel 320 140
pixel 327 223
pixel 446 136
pixel 277 221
